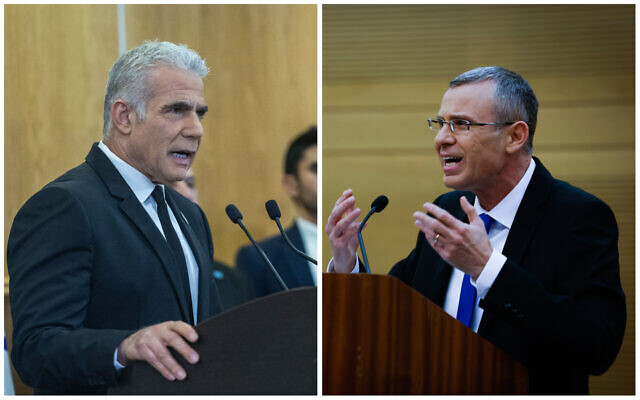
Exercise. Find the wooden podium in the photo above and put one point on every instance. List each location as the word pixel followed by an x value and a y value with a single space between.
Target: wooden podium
pixel 267 346
pixel 382 337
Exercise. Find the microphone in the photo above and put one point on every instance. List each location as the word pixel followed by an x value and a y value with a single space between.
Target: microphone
pixel 274 213
pixel 376 206
pixel 236 217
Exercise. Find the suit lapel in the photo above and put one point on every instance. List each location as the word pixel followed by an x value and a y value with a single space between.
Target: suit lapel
pixel 529 214
pixel 202 258
pixel 131 207
pixel 525 223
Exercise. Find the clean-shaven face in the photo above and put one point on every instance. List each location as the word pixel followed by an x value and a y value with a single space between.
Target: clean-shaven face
pixel 471 160
pixel 164 145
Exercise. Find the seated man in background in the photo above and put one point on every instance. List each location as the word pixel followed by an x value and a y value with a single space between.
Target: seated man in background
pixel 300 183
pixel 527 261
pixel 233 286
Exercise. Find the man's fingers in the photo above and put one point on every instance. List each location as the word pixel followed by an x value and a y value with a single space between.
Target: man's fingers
pixel 442 216
pixel 341 227
pixel 344 195
pixel 431 226
pixel 339 210
pixel 152 344
pixel 175 337
pixel 178 343
pixel 351 229
pixel 185 330
pixel 468 209
pixel 150 357
pixel 163 360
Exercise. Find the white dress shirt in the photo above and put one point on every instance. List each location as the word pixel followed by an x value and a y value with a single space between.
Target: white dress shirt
pixel 309 232
pixel 503 214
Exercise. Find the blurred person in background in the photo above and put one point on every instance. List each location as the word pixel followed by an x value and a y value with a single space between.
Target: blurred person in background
pixel 300 182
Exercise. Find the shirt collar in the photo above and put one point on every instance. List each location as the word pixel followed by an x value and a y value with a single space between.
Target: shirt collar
pixel 306 227
pixel 505 211
pixel 137 181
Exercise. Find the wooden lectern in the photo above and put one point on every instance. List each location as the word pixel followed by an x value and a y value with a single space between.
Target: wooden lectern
pixel 382 337
pixel 267 346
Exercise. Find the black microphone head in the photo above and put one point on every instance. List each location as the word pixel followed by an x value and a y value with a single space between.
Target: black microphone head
pixel 272 209
pixel 380 203
pixel 233 213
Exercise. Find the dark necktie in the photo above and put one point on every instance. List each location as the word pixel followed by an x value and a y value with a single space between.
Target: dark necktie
pixel 468 292
pixel 174 243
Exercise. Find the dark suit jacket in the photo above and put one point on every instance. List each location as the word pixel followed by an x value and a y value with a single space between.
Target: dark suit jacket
pixel 557 306
pixel 87 268
pixel 293 269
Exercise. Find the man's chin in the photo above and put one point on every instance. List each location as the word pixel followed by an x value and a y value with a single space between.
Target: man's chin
pixel 180 173
pixel 174 176
pixel 454 182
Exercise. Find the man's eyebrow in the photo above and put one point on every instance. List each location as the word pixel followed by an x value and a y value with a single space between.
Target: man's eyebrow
pixel 457 116
pixel 183 105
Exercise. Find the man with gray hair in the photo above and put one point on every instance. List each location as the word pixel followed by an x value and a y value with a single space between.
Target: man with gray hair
pixel 526 261
pixel 106 264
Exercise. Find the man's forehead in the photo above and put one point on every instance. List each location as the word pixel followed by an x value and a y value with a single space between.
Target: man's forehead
pixel 164 79
pixel 311 152
pixel 469 97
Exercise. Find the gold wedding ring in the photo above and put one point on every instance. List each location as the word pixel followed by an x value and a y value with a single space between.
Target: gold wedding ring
pixel 436 237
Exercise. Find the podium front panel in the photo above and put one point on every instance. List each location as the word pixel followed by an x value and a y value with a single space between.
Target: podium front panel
pixel 266 346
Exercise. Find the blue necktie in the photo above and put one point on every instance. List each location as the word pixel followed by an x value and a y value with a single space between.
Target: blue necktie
pixel 468 292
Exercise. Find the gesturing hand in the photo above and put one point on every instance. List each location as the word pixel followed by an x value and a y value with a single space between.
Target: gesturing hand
pixel 151 345
pixel 465 246
pixel 342 229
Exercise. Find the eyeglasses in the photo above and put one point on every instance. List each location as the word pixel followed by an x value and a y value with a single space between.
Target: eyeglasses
pixel 459 125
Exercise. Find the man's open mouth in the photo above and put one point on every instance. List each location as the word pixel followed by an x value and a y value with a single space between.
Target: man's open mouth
pixel 449 161
pixel 181 154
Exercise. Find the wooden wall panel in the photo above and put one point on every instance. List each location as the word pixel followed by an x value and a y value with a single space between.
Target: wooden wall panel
pixel 386 67
pixel 261 93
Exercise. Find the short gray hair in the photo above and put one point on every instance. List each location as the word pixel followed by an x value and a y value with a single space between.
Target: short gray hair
pixel 128 78
pixel 514 98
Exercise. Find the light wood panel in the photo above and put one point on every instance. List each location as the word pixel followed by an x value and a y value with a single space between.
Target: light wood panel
pixel 407 130
pixel 261 93
pixel 409 42
pixel 386 68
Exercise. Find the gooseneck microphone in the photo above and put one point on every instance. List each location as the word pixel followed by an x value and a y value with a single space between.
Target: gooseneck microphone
pixel 274 213
pixel 376 206
pixel 236 217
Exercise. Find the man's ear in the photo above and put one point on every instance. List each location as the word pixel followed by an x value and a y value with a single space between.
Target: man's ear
pixel 290 186
pixel 518 136
pixel 121 115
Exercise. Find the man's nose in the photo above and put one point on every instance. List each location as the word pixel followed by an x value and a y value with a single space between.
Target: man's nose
pixel 444 136
pixel 193 125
